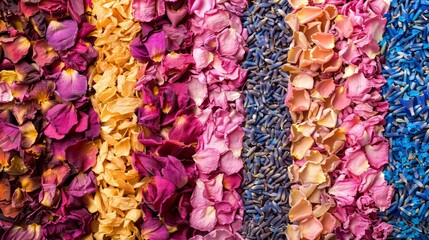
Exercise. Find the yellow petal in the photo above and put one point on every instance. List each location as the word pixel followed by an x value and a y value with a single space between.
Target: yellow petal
pixel 29 134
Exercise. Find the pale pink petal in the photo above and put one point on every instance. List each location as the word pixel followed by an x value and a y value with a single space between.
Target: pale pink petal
pixel 230 164
pixel 377 154
pixel 310 229
pixel 203 218
pixel 207 160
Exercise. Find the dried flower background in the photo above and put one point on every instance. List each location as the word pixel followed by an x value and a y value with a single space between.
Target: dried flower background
pixel 146 142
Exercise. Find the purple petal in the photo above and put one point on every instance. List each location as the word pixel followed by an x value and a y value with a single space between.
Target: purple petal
pixel 62 35
pixel 71 85
pixel 82 184
pixel 156 46
pixel 154 229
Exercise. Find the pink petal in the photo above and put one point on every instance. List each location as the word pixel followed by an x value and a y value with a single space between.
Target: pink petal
pixel 156 46
pixel 357 163
pixel 207 160
pixel 200 7
pixel 148 10
pixel 228 42
pixel 377 154
pixel 356 86
pixel 344 190
pixel 230 164
pixel 202 58
pixel 358 224
pixel 203 218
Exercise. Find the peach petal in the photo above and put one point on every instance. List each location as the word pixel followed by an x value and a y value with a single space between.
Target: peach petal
pixel 293 173
pixel 300 211
pixel 304 129
pixel 311 173
pixel 307 189
pixel 320 210
pixel 310 229
pixel 340 100
pixel 315 196
pixel 325 87
pixel 292 232
pixel 295 196
pixel 303 80
pixel 292 20
pixel 331 10
pixel 330 163
pixel 305 59
pixel 296 4
pixel 332 65
pixel 329 223
pixel 314 156
pixel 300 148
pixel 329 118
pixel 299 39
pixel 294 54
pixel 325 22
pixel 324 40
pixel 344 26
pixel 334 141
pixel 312 28
pixel 320 55
pixel 309 13
pixel 298 100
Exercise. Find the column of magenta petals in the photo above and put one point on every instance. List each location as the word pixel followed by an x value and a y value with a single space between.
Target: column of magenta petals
pixel 47 123
pixel 338 113
pixel 191 117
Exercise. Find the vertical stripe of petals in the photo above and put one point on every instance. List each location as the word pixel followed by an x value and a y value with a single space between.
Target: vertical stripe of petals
pixel 337 143
pixel 191 117
pixel 116 201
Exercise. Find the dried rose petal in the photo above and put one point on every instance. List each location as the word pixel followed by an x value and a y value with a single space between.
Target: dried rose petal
pixel 71 85
pixel 16 48
pixel 62 35
pixel 82 155
pixel 10 136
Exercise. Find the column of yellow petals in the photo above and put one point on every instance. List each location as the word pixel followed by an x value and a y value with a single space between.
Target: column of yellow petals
pixel 113 78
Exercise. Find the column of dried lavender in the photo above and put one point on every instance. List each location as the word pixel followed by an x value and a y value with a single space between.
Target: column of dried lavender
pixel 266 143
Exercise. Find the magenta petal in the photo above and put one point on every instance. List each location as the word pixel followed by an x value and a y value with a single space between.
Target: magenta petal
pixel 156 46
pixel 138 50
pixel 82 155
pixel 148 10
pixel 154 229
pixel 225 213
pixel 175 172
pixel 71 85
pixel 145 164
pixel 62 35
pixel 186 129
pixel 33 231
pixel 76 9
pixel 157 192
pixel 10 136
pixel 82 184
pixel 94 125
pixel 62 117
pixel 207 160
pixel 203 218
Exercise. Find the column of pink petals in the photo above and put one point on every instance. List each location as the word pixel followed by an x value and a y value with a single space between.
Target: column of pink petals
pixel 219 47
pixel 358 186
